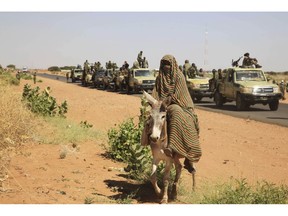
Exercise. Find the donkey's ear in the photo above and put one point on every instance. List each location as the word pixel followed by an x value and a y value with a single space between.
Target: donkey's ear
pixel 149 98
pixel 166 102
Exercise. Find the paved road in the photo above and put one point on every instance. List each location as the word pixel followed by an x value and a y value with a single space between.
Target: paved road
pixel 257 112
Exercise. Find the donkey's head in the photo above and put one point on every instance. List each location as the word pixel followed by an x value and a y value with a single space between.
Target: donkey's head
pixel 157 118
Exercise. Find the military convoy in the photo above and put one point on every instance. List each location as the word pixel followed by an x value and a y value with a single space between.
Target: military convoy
pixel 246 86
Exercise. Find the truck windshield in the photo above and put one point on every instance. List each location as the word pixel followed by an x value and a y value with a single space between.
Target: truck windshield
pixel 143 73
pixel 250 76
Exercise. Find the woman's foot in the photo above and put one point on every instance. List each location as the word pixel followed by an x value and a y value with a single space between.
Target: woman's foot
pixel 189 166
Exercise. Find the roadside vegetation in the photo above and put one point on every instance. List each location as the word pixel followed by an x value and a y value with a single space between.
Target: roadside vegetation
pixel 36 117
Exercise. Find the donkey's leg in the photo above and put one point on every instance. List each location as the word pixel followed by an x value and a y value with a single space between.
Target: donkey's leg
pixel 193 177
pixel 166 178
pixel 178 167
pixel 153 177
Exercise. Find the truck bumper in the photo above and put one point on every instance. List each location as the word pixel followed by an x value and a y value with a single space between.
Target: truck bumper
pixel 146 86
pixel 261 98
pixel 201 93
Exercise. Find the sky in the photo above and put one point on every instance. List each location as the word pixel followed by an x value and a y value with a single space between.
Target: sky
pixel 37 37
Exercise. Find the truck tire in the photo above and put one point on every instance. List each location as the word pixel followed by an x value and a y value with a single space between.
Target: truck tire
pixel 198 98
pixel 274 105
pixel 240 103
pixel 218 99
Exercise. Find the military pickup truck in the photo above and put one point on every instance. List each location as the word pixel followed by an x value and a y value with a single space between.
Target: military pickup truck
pixel 76 75
pixel 246 86
pixel 140 79
pixel 198 87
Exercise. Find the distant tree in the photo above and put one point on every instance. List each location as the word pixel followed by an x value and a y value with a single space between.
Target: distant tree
pixel 11 66
pixel 54 68
pixel 68 67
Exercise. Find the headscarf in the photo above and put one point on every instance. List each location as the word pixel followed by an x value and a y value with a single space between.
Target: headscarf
pixel 172 84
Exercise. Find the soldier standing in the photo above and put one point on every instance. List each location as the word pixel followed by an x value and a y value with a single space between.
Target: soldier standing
pixel 125 65
pixel 34 77
pixel 193 71
pixel 186 67
pixel 145 63
pixel 85 72
pixel 282 89
pixel 18 75
pixel 219 74
pixel 139 59
pixel 67 76
pixel 212 81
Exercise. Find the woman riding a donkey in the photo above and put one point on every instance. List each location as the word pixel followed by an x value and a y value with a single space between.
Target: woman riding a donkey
pixel 182 121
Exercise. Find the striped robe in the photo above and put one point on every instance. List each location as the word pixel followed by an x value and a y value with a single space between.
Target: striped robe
pixel 182 121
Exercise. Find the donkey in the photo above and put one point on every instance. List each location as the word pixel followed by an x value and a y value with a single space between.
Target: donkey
pixel 156 132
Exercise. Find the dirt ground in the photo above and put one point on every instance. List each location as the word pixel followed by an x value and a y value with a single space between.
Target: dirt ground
pixel 232 147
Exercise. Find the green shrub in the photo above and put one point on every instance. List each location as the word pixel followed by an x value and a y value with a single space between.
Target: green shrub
pixel 7 78
pixel 239 192
pixel 43 103
pixel 124 145
pixel 25 76
pixel 54 68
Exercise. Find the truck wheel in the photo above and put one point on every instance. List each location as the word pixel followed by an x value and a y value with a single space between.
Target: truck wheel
pixel 240 103
pixel 218 99
pixel 274 105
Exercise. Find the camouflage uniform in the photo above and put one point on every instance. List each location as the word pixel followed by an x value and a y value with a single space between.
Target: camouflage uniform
pixel 186 67
pixel 212 81
pixel 67 76
pixel 201 72
pixel 145 63
pixel 85 72
pixel 250 62
pixel 18 75
pixel 139 59
pixel 34 77
pixel 193 71
pixel 219 74
pixel 282 89
pixel 109 65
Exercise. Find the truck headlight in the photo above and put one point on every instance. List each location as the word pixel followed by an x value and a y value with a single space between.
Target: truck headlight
pixel 194 85
pixel 276 90
pixel 246 90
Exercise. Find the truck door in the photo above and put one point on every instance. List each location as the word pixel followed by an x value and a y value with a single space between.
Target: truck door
pixel 229 89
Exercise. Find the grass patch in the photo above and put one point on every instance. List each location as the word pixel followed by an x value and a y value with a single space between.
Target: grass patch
pixel 6 78
pixel 236 191
pixel 16 122
pixel 59 130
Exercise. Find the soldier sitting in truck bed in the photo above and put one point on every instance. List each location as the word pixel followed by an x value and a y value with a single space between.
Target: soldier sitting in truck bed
pixel 250 62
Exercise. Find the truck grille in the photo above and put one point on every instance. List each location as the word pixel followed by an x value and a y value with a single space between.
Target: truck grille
pixel 264 90
pixel 148 81
pixel 204 86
